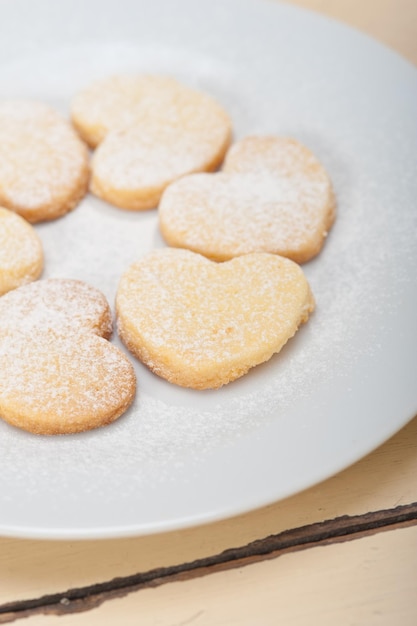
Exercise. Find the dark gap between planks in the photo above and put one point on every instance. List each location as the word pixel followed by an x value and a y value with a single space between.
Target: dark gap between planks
pixel 339 529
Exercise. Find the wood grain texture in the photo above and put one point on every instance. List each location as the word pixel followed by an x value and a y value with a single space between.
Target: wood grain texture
pixel 370 581
pixel 345 528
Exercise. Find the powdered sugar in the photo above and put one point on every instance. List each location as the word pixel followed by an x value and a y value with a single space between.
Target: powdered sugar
pixel 149 156
pixel 128 101
pixel 180 456
pixel 274 196
pixel 42 161
pixel 61 383
pixel 201 324
pixel 59 305
pixel 21 256
pixel 152 130
pixel 57 375
pixel 224 215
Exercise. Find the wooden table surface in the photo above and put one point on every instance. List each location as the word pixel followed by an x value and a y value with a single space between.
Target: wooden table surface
pixel 342 552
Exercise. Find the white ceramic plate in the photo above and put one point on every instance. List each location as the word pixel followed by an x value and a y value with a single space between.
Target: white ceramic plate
pixel 346 382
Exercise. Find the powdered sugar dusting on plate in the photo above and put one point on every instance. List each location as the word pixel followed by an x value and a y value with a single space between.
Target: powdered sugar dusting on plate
pixel 359 280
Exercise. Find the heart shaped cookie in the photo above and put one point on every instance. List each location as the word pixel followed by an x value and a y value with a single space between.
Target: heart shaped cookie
pixel 150 130
pixel 62 305
pixel 201 324
pixel 44 168
pixel 272 196
pixel 58 374
pixel 21 254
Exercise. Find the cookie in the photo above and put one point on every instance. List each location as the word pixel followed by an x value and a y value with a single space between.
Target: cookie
pixel 21 254
pixel 201 324
pixel 151 130
pixel 44 168
pixel 61 305
pixel 272 196
pixel 58 373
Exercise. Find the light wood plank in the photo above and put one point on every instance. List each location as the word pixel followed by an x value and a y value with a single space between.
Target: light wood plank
pixel 392 22
pixel 382 480
pixel 370 581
